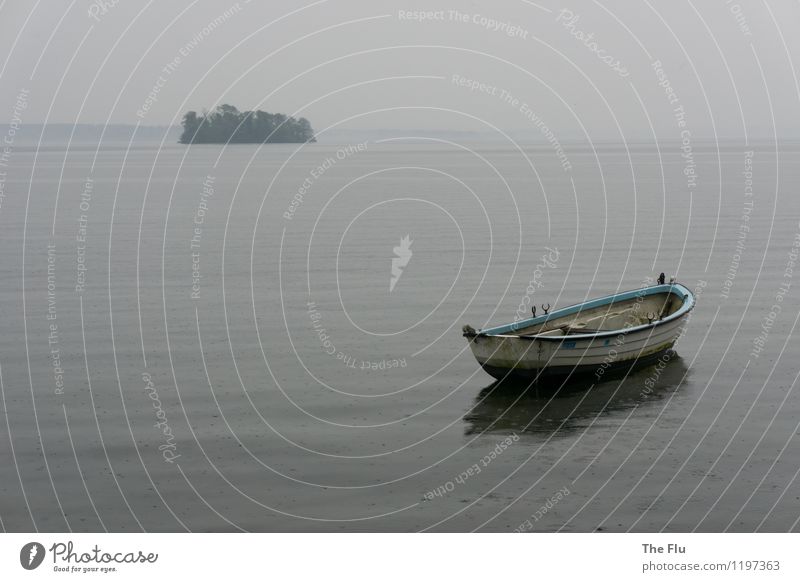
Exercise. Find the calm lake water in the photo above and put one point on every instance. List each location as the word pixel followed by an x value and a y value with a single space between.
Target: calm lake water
pixel 210 338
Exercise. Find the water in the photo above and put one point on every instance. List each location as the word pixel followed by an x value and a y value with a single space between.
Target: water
pixel 267 378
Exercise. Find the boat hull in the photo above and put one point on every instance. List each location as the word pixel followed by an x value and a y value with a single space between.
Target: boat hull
pixel 577 371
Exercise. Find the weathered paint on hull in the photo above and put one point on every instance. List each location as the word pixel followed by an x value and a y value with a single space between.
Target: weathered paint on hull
pixel 577 371
pixel 510 352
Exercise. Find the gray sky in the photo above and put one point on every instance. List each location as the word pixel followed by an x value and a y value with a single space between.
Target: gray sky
pixel 576 67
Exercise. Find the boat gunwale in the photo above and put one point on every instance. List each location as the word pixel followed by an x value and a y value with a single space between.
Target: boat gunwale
pixel 676 288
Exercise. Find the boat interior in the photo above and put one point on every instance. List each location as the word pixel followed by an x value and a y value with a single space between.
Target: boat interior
pixel 611 316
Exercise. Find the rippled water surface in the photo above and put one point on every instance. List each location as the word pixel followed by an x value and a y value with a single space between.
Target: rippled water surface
pixel 210 339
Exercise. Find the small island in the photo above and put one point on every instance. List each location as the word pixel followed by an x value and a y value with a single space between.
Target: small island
pixel 226 124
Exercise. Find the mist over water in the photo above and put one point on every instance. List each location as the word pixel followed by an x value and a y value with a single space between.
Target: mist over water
pixel 269 338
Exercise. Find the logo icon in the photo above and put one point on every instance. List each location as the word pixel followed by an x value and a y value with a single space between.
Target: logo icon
pixel 31 555
pixel 400 260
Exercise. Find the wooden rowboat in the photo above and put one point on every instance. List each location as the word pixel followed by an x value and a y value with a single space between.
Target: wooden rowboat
pixel 623 330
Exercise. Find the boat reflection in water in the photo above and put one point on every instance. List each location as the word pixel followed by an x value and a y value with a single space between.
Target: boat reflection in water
pixel 541 408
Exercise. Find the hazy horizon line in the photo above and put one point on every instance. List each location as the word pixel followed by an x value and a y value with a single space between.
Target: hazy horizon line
pixel 28 131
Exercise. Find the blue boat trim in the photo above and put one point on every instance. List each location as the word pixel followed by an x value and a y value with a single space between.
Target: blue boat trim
pixel 676 288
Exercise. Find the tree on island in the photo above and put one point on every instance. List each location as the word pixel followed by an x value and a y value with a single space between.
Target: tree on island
pixel 226 124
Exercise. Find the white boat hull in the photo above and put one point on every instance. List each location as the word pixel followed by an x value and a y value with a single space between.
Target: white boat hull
pixel 531 356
